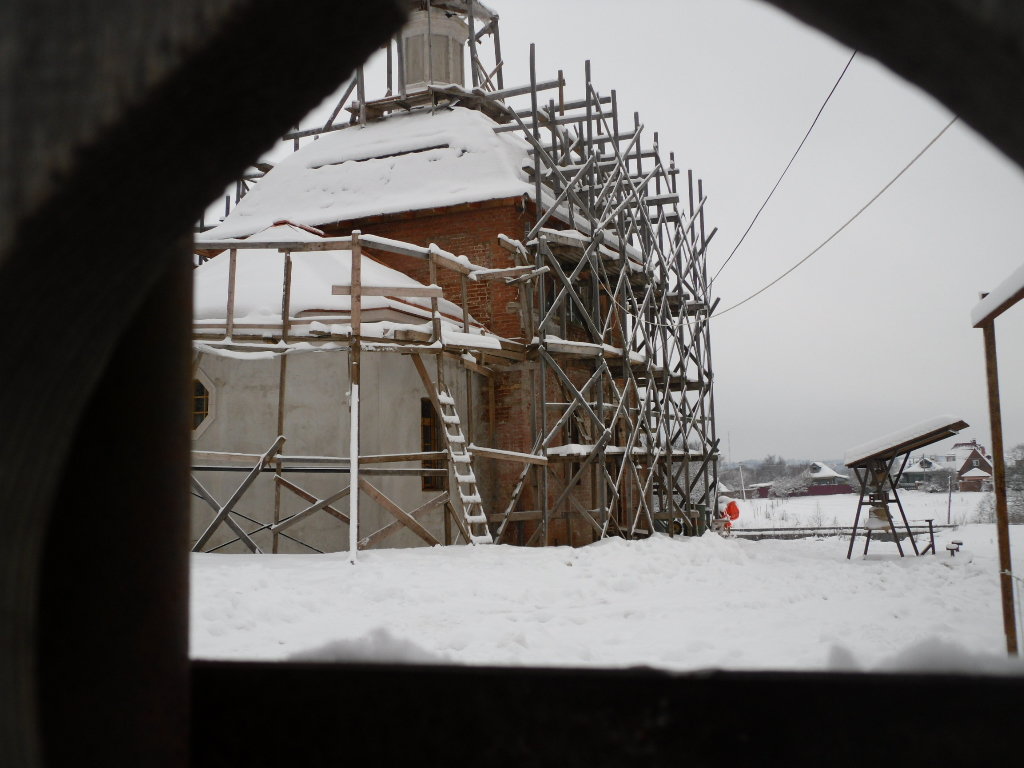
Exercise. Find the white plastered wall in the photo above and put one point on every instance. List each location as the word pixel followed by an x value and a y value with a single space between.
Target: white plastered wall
pixel 317 424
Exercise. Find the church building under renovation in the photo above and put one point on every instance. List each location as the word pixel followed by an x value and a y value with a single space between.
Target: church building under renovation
pixel 464 311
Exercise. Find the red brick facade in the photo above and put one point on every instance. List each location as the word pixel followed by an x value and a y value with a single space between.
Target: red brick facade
pixel 472 230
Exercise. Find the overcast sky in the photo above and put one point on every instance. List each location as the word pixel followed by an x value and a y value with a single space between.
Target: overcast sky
pixel 873 333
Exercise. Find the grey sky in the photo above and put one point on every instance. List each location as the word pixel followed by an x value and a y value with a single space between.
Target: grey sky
pixel 874 332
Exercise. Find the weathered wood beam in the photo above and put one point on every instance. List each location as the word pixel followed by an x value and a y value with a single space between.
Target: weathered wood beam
pixel 513 456
pixel 375 538
pixel 400 514
pixel 404 291
pixel 206 496
pixel 315 505
pixel 226 508
pixel 324 244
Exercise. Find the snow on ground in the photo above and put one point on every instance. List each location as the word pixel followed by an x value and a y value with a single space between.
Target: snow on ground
pixel 679 604
pixel 819 511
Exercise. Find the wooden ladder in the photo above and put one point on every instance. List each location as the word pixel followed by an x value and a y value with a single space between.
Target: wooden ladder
pixel 462 466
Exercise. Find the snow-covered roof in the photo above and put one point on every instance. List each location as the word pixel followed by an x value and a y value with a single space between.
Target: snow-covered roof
pixel 976 472
pixel 407 162
pixel 924 464
pixel 259 279
pixel 819 471
pixel 961 451
pixel 907 439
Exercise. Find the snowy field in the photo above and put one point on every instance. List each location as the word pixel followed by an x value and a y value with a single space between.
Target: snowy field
pixel 819 511
pixel 679 604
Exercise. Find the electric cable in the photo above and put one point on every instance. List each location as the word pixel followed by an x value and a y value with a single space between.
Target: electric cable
pixel 784 171
pixel 848 222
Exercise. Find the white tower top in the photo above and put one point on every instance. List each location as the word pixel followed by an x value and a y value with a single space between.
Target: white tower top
pixel 433 46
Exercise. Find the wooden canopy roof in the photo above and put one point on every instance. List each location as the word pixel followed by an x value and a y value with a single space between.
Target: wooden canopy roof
pixel 905 440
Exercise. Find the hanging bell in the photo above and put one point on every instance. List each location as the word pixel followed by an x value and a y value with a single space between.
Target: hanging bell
pixel 878 519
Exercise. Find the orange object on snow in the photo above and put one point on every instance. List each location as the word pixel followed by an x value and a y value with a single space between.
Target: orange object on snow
pixel 732 511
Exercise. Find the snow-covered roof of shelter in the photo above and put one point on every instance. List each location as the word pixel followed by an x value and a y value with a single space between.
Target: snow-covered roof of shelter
pixel 905 440
pixel 259 280
pixel 407 162
pixel 976 472
pixel 820 471
pixel 1004 296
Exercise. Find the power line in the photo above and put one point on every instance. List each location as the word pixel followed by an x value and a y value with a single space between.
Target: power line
pixel 784 170
pixel 848 221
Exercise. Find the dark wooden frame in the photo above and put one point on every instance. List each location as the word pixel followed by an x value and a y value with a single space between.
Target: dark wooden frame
pixel 123 693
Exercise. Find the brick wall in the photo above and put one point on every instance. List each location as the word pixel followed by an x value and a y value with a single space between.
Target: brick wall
pixel 472 230
pixel 469 230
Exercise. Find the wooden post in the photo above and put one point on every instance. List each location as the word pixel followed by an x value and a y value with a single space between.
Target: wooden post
pixel 473 62
pixel 540 375
pixel 400 54
pixel 286 298
pixel 390 68
pixel 491 408
pixel 595 172
pixel 353 400
pixel 435 305
pixel 446 516
pixel 430 45
pixel 282 381
pixel 338 107
pixel 470 428
pixel 949 499
pixel 232 266
pixel 361 93
pixel 999 472
pixel 497 53
pixel 601 460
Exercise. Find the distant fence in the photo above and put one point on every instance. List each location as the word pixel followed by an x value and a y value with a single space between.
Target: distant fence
pixel 756 534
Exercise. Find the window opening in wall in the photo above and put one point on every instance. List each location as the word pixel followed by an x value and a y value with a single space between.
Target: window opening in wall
pixel 574 437
pixel 430 441
pixel 586 296
pixel 200 403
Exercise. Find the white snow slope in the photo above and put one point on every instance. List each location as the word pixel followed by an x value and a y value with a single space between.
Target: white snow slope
pixel 405 163
pixel 679 604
